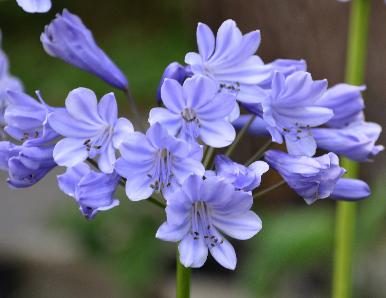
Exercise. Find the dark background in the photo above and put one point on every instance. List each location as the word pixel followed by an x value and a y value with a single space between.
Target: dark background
pixel 48 250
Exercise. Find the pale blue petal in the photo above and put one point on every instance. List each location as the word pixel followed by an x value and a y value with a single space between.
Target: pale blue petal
pixel 205 40
pixel 70 152
pixel 107 109
pixel 193 252
pixel 225 255
pixel 171 94
pixel 218 134
pixel 174 233
pixel 33 6
pixel 122 130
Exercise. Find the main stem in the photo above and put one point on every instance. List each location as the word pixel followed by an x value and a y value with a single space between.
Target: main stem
pixel 346 212
pixel 183 280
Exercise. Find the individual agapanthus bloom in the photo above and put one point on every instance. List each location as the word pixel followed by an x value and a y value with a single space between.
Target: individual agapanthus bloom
pixel 347 189
pixel 290 111
pixel 200 212
pixel 229 58
pixel 33 6
pixel 286 67
pixel 174 71
pixel 93 191
pixel 241 177
pixel 90 129
pixel 26 119
pixel 156 161
pixel 347 103
pixel 68 39
pixel 312 178
pixel 25 165
pixel 355 141
pixel 195 111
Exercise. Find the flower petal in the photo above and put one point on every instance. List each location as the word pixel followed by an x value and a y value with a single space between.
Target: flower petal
pixel 70 152
pixel 225 254
pixel 107 108
pixel 193 252
pixel 218 133
pixel 171 94
pixel 205 40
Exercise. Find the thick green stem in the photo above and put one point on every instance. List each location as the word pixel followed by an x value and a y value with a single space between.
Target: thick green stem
pixel 346 212
pixel 183 280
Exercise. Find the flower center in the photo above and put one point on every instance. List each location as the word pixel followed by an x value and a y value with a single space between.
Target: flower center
pixel 202 225
pixel 189 115
pixel 162 170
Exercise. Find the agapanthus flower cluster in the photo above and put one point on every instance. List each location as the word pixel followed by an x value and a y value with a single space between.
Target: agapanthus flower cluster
pixel 177 162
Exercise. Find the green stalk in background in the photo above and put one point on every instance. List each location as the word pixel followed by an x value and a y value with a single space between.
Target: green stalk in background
pixel 346 212
pixel 183 280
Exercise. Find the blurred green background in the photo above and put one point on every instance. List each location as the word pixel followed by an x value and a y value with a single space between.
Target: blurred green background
pixel 48 250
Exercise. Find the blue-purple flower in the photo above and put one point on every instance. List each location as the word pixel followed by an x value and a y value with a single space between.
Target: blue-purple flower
pixel 67 38
pixel 26 119
pixel 93 191
pixel 200 212
pixel 290 111
pixel 25 165
pixel 90 129
pixel 346 102
pixel 156 161
pixel 229 58
pixel 34 6
pixel 355 141
pixel 241 177
pixel 312 178
pixel 195 111
pixel 174 71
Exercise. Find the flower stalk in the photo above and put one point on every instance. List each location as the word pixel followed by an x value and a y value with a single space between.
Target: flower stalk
pixel 346 212
pixel 183 280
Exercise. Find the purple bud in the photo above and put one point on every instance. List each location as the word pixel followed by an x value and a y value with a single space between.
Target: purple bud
pixel 176 72
pixel 67 38
pixel 350 190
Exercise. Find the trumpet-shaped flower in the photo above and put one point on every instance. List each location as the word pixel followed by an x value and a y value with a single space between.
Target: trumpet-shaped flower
pixel 156 161
pixel 347 103
pixel 290 111
pixel 25 165
pixel 355 141
pixel 312 178
pixel 90 129
pixel 242 177
pixel 26 119
pixel 34 6
pixel 93 191
pixel 67 38
pixel 195 111
pixel 229 58
pixel 200 212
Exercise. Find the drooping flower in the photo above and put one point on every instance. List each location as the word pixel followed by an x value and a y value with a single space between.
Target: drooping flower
pixel 35 6
pixel 290 111
pixel 200 212
pixel 174 71
pixel 347 189
pixel 25 165
pixel 26 119
pixel 355 141
pixel 196 110
pixel 312 178
pixel 156 161
pixel 67 38
pixel 346 102
pixel 93 191
pixel 89 129
pixel 229 58
pixel 241 177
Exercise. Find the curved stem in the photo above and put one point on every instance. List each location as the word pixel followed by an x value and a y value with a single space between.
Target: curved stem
pixel 208 156
pixel 346 212
pixel 183 280
pixel 240 135
pixel 134 108
pixel 269 189
pixel 259 153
